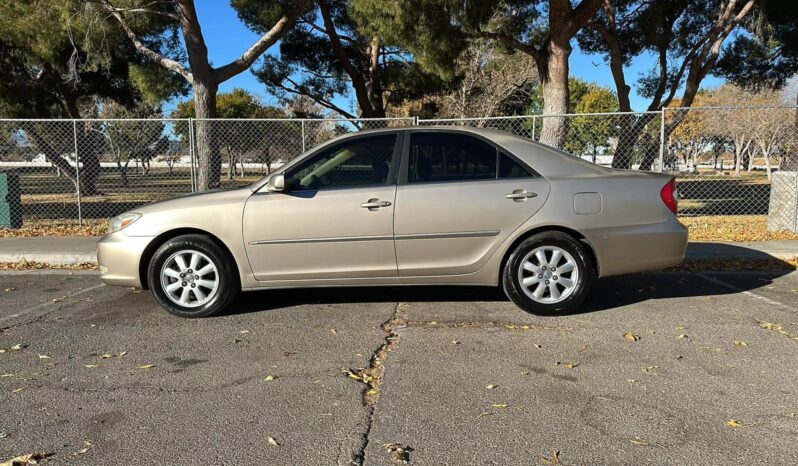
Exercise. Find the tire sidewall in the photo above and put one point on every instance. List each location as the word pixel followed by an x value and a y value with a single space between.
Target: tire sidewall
pixel 227 283
pixel 515 291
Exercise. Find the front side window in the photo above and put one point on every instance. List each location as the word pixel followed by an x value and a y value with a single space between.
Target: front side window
pixel 365 161
pixel 450 157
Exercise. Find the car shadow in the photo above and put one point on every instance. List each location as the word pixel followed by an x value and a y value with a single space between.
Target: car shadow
pixel 686 281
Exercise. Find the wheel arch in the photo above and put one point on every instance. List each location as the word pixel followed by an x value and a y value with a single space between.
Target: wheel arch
pixel 149 251
pixel 541 229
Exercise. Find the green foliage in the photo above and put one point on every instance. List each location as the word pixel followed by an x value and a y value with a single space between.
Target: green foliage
pixel 57 53
pixel 236 104
pixel 308 64
pixel 766 56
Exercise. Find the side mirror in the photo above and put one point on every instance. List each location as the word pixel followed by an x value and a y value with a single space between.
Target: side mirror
pixel 277 182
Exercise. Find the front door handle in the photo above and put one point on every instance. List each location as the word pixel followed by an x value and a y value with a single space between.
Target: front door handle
pixel 520 195
pixel 374 204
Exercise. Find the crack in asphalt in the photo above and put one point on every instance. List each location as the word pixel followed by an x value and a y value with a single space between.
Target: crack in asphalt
pixel 372 379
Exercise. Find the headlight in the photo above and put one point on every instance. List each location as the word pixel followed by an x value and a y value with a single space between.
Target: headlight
pixel 122 221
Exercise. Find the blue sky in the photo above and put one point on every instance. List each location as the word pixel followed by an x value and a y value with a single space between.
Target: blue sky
pixel 227 38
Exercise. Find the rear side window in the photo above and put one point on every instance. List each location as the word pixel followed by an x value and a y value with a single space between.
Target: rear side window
pixel 511 168
pixel 450 157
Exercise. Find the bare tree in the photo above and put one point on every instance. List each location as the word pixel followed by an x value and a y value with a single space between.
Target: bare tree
pixel 490 80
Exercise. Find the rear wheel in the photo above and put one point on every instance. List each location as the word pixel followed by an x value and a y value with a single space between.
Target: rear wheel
pixel 191 276
pixel 549 273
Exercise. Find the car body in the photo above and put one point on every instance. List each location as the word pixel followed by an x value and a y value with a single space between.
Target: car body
pixel 410 206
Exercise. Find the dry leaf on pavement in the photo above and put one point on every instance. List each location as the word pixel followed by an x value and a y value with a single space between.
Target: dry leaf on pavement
pixel 631 336
pixel 147 366
pixel 555 458
pixel 273 441
pixel 740 343
pixel 734 423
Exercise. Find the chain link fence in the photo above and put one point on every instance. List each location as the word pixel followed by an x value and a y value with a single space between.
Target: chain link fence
pixel 727 160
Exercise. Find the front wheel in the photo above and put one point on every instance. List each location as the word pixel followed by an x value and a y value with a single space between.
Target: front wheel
pixel 549 273
pixel 191 276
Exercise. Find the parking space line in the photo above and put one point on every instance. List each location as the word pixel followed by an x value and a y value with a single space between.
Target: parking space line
pixel 750 294
pixel 48 303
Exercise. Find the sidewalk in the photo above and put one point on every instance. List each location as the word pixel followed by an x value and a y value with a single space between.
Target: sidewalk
pixel 75 249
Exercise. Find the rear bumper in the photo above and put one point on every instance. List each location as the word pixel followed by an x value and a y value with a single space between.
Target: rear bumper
pixel 119 256
pixel 638 248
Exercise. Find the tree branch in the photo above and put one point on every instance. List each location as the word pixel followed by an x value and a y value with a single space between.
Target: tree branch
pixel 152 55
pixel 296 90
pixel 257 49
pixel 512 43
pixel 358 81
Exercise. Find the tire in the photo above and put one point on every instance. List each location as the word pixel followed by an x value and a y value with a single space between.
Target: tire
pixel 208 289
pixel 538 296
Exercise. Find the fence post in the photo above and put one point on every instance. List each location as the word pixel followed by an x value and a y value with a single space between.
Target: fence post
pixel 303 135
pixel 415 120
pixel 77 168
pixel 191 154
pixel 662 142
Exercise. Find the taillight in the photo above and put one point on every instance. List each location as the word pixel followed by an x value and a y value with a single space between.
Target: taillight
pixel 668 194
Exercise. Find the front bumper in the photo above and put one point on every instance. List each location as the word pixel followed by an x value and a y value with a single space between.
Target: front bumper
pixel 638 248
pixel 119 258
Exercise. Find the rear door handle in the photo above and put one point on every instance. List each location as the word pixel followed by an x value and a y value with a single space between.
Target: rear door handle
pixel 520 195
pixel 374 204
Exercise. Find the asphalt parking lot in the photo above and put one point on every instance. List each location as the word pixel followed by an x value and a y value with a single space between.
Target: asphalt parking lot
pixel 658 368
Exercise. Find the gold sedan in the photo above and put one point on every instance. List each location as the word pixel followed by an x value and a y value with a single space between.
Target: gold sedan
pixel 404 206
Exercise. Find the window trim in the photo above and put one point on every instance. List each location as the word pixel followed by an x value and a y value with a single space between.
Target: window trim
pixel 405 162
pixel 393 171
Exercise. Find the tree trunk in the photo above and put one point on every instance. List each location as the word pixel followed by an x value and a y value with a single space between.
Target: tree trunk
pixel 209 158
pixel 556 95
pixel 631 127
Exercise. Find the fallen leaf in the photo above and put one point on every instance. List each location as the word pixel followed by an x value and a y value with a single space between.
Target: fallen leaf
pixel 650 369
pixel 433 323
pixel 23 460
pixel 500 405
pixel 455 342
pixel 19 346
pixel 90 366
pixel 147 366
pixel 273 441
pixel 44 356
pixel 740 343
pixel 631 336
pixel 10 289
pixel 351 374
pixel 631 380
pixel 333 331
pixel 538 346
pixel 244 331
pixel 400 454
pixel 107 356
pixel 122 354
pixel 682 336
pixel 638 441
pixel 555 458
pixel 17 390
pixel 734 423
pixel 490 386
pixel 269 378
pixel 570 365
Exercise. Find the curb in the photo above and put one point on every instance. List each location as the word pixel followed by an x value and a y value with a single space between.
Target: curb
pixel 50 258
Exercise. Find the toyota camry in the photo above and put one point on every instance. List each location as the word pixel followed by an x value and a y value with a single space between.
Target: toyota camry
pixel 404 206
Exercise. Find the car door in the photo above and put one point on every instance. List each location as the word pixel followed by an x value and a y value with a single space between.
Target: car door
pixel 458 198
pixel 335 217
